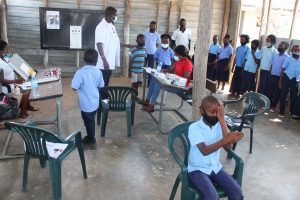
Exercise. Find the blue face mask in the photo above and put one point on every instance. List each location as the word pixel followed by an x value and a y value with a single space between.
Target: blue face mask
pixel 176 58
pixel 7 55
pixel 115 19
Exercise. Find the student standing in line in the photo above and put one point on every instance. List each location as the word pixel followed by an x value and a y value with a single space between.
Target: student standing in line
pixel 212 58
pixel 265 64
pixel 224 56
pixel 182 36
pixel 291 71
pixel 276 73
pixel 237 67
pixel 87 81
pixel 250 68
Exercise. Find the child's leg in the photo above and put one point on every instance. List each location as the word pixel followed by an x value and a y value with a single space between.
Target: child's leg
pixel 276 95
pixel 227 183
pixel 204 184
pixel 284 92
pixel 223 85
pixel 89 123
pixel 293 93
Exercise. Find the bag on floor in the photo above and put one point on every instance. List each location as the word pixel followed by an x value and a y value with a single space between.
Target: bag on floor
pixel 8 107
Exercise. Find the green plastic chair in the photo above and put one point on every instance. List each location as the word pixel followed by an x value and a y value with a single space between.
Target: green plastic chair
pixel 254 104
pixel 120 99
pixel 188 191
pixel 35 146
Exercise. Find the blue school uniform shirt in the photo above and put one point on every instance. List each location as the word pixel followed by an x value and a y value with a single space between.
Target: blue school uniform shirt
pixel 225 52
pixel 138 56
pixel 214 48
pixel 240 55
pixel 266 58
pixel 164 56
pixel 277 63
pixel 200 132
pixel 86 81
pixel 292 67
pixel 151 39
pixel 250 65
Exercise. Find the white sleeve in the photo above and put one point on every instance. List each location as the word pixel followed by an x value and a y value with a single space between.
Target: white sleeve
pixel 174 36
pixel 100 34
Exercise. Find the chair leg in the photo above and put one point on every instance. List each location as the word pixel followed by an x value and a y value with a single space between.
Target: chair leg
pixel 25 172
pixel 174 189
pixel 99 114
pixel 104 121
pixel 82 159
pixel 55 173
pixel 128 119
pixel 132 113
pixel 251 140
pixel 42 162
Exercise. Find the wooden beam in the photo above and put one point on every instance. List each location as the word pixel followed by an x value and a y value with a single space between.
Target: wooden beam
pixel 46 56
pixel 158 13
pixel 294 19
pixel 105 4
pixel 203 41
pixel 127 20
pixel 3 21
pixel 226 19
pixel 180 8
pixel 46 3
pixel 262 16
pixel 169 16
pixel 268 17
pixel 78 4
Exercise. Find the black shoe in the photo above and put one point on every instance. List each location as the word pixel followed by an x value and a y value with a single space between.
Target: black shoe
pixel 88 144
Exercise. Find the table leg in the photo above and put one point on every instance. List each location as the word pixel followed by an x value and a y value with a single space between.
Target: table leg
pixel 144 85
pixel 161 109
pixel 58 115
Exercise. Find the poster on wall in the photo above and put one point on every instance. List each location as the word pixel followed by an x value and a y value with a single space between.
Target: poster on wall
pixel 75 37
pixel 52 18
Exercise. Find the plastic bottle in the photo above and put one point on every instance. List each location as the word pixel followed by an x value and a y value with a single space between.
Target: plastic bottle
pixel 159 66
pixel 35 88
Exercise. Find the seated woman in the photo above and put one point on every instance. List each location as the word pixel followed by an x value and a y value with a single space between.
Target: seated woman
pixel 181 67
pixel 10 79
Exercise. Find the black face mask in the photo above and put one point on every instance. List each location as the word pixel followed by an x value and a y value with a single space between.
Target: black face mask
pixel 253 48
pixel 152 30
pixel 211 120
pixel 280 50
pixel 296 56
pixel 141 44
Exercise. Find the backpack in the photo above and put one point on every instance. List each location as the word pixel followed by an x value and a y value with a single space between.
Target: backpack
pixel 8 107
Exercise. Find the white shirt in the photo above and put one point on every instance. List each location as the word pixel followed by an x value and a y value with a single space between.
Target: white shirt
pixel 267 57
pixel 182 38
pixel 106 34
pixel 8 74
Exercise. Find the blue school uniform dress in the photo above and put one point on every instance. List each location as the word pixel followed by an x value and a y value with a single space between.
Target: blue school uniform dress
pixel 212 56
pixel 206 170
pixel 291 68
pixel 224 53
pixel 265 66
pixel 164 56
pixel 250 68
pixel 87 82
pixel 240 56
pixel 274 90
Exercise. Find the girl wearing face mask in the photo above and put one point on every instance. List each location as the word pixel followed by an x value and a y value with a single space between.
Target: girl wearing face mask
pixel 290 73
pixel 224 57
pixel 10 79
pixel 268 53
pixel 181 67
pixel 164 54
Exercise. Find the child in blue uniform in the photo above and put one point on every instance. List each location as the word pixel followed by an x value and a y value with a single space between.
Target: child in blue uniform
pixel 237 68
pixel 206 137
pixel 164 54
pixel 212 58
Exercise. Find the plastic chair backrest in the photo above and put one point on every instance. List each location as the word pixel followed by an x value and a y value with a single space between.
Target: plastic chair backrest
pixel 180 132
pixel 34 138
pixel 256 104
pixel 117 96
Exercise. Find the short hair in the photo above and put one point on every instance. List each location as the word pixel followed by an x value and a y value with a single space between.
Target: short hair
pixel 296 46
pixel 3 44
pixel 255 42
pixel 181 50
pixel 272 38
pixel 227 36
pixel 209 100
pixel 153 22
pixel 182 19
pixel 91 56
pixel 165 35
pixel 217 36
pixel 110 11
pixel 140 36
pixel 286 44
pixel 247 38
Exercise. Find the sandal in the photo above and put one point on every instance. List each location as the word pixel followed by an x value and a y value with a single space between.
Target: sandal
pixel 24 115
pixel 31 108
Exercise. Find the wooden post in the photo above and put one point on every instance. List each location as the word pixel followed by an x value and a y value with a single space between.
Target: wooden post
pixel 3 21
pixel 78 4
pixel 126 37
pixel 46 56
pixel 226 19
pixel 268 17
pixel 158 13
pixel 294 19
pixel 105 4
pixel 203 40
pixel 180 8
pixel 78 52
pixel 169 16
pixel 262 16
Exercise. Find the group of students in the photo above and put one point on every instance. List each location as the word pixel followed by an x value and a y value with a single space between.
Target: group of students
pixel 279 72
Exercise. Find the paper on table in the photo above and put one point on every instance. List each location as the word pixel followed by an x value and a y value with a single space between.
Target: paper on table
pixel 25 86
pixel 55 149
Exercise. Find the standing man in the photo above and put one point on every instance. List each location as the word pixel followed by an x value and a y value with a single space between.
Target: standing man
pixel 182 36
pixel 107 44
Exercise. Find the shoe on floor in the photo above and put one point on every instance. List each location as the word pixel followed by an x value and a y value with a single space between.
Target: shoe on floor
pixel 88 144
pixel 281 115
pixel 272 110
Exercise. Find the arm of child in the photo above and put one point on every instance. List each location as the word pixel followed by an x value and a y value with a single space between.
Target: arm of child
pixel 233 66
pixel 130 66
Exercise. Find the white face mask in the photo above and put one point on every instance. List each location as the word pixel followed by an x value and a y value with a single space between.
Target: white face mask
pixel 176 58
pixel 268 44
pixel 115 19
pixel 165 46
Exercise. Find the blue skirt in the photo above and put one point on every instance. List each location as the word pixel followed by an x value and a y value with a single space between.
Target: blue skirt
pixel 222 73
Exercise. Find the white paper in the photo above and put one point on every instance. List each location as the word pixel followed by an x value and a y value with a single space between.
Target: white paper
pixel 75 37
pixel 53 20
pixel 25 86
pixel 25 68
pixel 55 149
